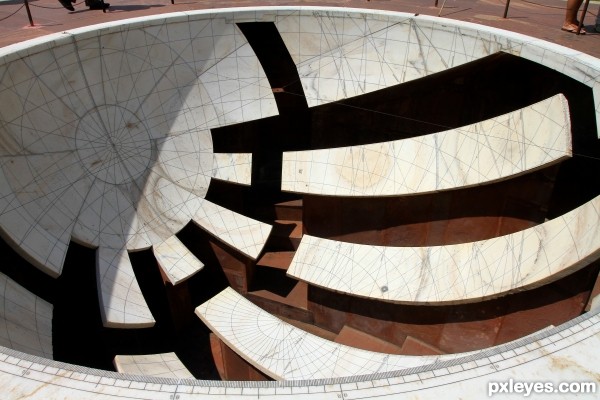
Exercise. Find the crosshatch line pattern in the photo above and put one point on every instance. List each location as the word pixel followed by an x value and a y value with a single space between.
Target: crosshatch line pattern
pixel 285 352
pixel 455 273
pixel 106 141
pixel 103 69
pixel 484 152
pixel 163 365
pixel 533 357
pixel 25 320
pixel 345 53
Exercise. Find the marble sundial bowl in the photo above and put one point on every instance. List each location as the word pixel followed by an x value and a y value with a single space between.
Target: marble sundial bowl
pixel 105 140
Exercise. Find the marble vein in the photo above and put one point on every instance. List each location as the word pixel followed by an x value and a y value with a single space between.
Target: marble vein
pixel 463 272
pixel 484 152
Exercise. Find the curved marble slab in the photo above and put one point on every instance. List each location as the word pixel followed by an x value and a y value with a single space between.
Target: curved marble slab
pixel 176 261
pixel 285 352
pixel 122 303
pixel 233 167
pixel 346 52
pixel 567 353
pixel 484 152
pixel 105 135
pixel 25 320
pixel 163 365
pixel 240 232
pixel 454 273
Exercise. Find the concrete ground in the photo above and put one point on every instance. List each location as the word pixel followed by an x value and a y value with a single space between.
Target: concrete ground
pixel 538 18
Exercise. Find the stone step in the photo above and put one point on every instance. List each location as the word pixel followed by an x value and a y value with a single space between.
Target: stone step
pixel 285 236
pixel 276 259
pixel 289 210
pixel 362 340
pixel 415 347
pixel 297 297
pixel 310 328
pixel 293 306
pixel 230 365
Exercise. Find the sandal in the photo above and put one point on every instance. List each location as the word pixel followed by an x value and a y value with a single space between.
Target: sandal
pixel 573 29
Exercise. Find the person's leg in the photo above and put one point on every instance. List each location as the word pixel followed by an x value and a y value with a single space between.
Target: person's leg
pixel 97 4
pixel 67 4
pixel 571 23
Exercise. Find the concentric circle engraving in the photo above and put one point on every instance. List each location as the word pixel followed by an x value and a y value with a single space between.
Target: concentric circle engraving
pixel 113 144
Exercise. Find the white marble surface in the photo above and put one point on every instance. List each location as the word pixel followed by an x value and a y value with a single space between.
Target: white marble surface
pixel 25 320
pixel 484 152
pixel 343 53
pixel 105 135
pixel 233 167
pixel 122 303
pixel 163 365
pixel 285 352
pixel 566 353
pixel 245 234
pixel 38 217
pixel 595 303
pixel 105 139
pixel 454 273
pixel 176 261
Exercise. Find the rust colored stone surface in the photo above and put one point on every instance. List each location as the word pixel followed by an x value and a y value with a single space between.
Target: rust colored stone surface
pixel 362 340
pixel 180 304
pixel 555 303
pixel 416 347
pixel 466 336
pixel 289 210
pixel 286 235
pixel 280 259
pixel 238 269
pixel 451 217
pixel 458 328
pixel 310 328
pixel 280 306
pixel 231 366
pixel 215 348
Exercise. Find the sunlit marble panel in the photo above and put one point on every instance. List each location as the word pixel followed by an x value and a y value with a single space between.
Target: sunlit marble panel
pixel 240 232
pixel 122 303
pixel 233 167
pixel 484 152
pixel 345 53
pixel 105 135
pixel 176 261
pixel 285 352
pixel 566 353
pixel 454 273
pixel 164 365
